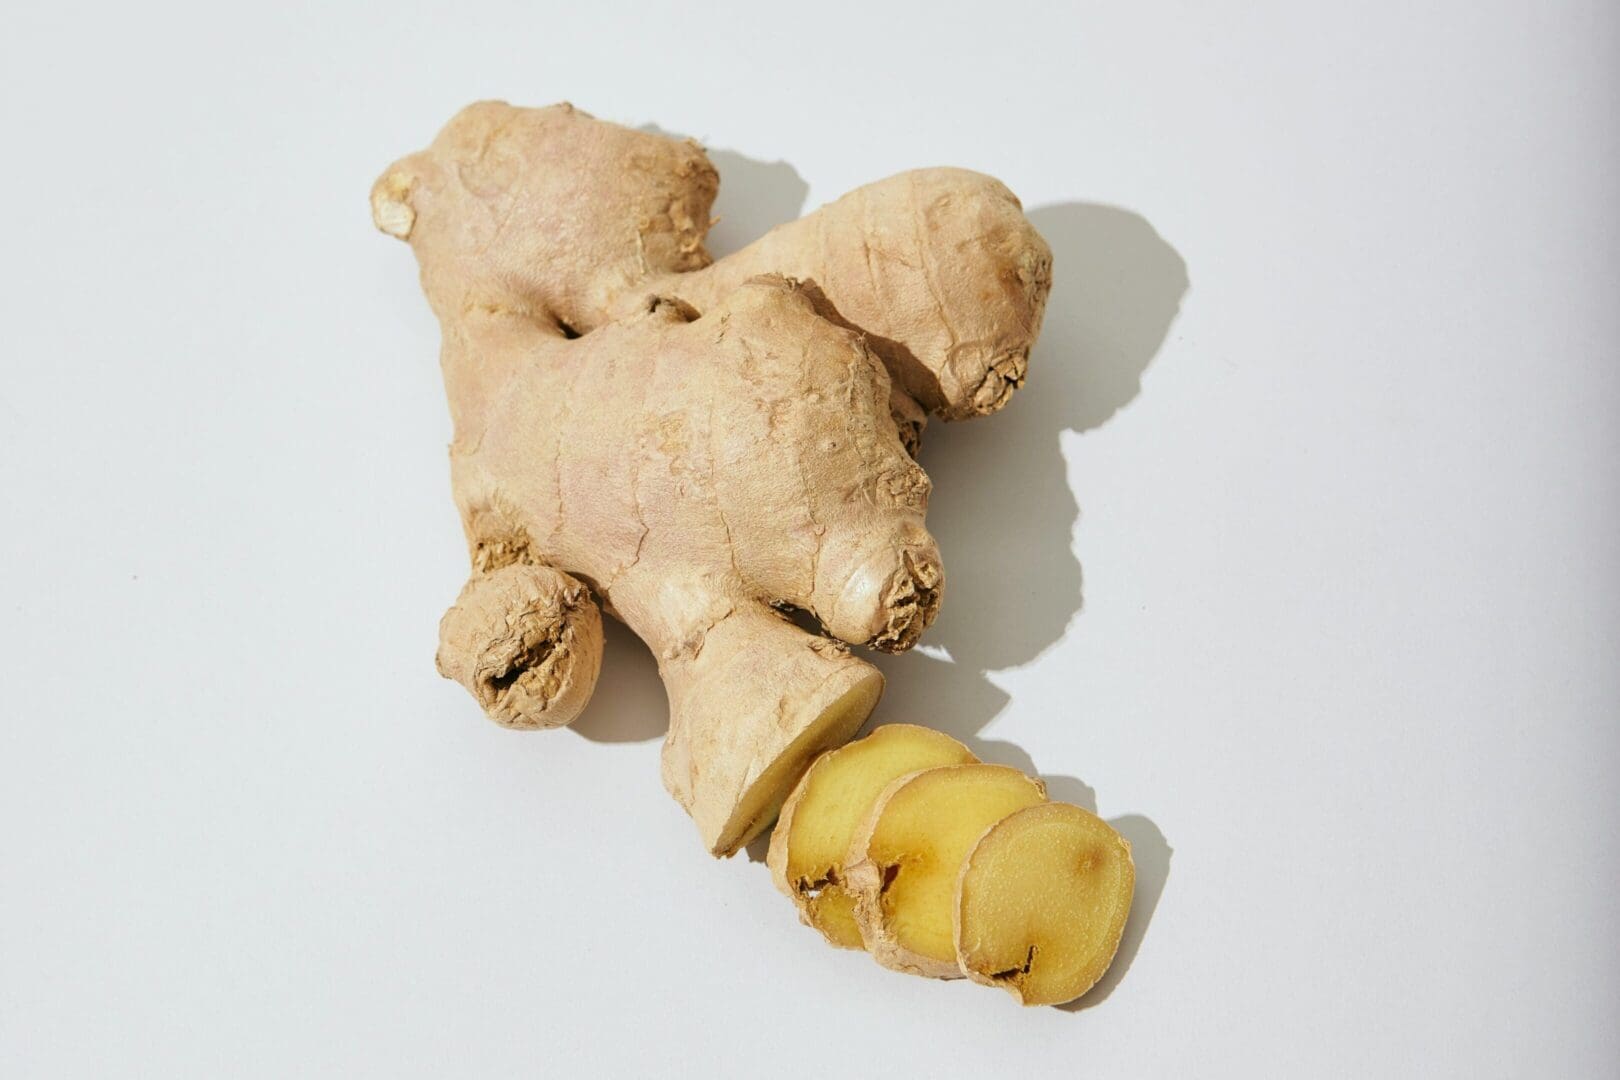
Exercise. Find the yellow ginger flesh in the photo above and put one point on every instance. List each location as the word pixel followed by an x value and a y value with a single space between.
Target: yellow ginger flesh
pixel 909 852
pixel 821 815
pixel 1042 903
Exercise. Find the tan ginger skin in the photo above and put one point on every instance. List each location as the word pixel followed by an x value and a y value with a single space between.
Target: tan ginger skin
pixel 704 445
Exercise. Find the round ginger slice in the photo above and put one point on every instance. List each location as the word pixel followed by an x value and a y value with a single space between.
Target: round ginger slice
pixel 821 815
pixel 1042 903
pixel 905 859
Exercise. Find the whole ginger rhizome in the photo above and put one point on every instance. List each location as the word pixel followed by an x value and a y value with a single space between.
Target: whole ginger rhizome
pixel 704 448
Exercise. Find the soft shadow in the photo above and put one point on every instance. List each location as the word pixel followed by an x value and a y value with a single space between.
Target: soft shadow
pixel 629 703
pixel 755 196
pixel 1004 513
pixel 1151 853
pixel 1002 509
pixel 758 846
pixel 922 688
pixel 1071 790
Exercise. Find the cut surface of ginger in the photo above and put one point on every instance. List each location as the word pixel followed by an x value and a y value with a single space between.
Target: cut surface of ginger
pixel 821 815
pixel 1042 903
pixel 762 799
pixel 906 857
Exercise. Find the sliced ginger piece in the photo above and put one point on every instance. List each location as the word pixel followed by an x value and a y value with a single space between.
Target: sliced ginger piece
pixel 832 799
pixel 1042 903
pixel 905 858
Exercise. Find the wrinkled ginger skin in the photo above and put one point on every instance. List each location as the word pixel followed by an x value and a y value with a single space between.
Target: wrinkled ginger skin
pixel 526 642
pixel 700 444
pixel 697 472
pixel 938 267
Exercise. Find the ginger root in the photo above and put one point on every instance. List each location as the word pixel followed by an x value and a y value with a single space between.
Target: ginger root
pixel 905 858
pixel 1042 902
pixel 821 815
pixel 707 447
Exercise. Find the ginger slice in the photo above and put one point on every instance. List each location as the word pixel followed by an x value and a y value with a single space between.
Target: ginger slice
pixel 1042 903
pixel 905 858
pixel 821 815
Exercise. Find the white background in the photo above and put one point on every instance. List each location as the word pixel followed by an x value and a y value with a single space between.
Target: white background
pixel 1326 408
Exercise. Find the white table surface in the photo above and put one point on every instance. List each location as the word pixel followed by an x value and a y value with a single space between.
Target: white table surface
pixel 1296 556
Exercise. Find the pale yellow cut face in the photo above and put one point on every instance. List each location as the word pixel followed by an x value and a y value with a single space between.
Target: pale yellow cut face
pixel 1043 902
pixel 921 838
pixel 760 803
pixel 831 802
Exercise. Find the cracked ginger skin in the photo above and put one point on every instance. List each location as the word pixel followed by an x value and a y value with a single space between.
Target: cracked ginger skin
pixel 700 444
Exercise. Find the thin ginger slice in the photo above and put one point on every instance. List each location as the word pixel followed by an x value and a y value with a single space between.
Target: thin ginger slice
pixel 1042 903
pixel 821 815
pixel 905 859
